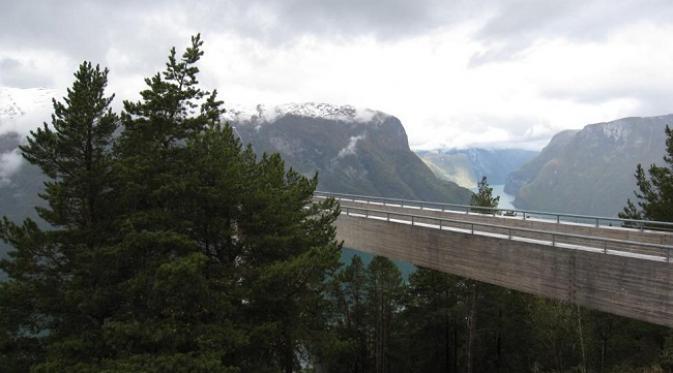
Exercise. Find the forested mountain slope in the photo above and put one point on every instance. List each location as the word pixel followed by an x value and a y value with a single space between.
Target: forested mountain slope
pixel 590 171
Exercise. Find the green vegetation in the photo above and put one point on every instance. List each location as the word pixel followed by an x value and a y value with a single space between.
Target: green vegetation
pixel 438 322
pixel 589 172
pixel 484 197
pixel 655 194
pixel 170 247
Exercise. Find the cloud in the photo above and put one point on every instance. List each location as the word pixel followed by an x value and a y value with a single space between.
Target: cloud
pixel 10 162
pixel 456 73
pixel 518 24
pixel 15 73
pixel 351 147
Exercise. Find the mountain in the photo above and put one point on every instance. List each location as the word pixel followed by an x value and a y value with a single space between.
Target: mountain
pixel 527 172
pixel 20 111
pixel 24 109
pixel 590 171
pixel 354 151
pixel 466 167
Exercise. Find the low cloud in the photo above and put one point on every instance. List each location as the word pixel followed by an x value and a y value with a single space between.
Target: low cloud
pixel 10 163
pixel 351 147
pixel 458 73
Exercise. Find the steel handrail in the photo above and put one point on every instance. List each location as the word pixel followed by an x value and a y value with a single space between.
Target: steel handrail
pixel 413 219
pixel 641 223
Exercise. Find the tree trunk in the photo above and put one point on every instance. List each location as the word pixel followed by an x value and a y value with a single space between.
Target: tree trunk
pixel 498 342
pixel 471 327
pixel 583 367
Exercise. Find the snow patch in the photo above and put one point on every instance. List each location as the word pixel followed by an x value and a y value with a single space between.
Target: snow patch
pixel 615 131
pixel 262 114
pixel 22 110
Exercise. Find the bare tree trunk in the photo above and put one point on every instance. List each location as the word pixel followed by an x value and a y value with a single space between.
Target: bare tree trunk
pixel 498 342
pixel 583 367
pixel 455 346
pixel 471 328
pixel 447 344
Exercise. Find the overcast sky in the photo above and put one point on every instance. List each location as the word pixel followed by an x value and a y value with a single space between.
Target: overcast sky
pixel 507 73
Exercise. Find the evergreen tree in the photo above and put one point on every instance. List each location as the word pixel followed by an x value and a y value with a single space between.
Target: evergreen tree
pixel 351 323
pixel 385 298
pixel 434 314
pixel 484 198
pixel 175 249
pixel 228 251
pixel 654 199
pixel 53 297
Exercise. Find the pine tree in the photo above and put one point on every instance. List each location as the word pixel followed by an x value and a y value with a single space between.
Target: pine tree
pixel 434 312
pixel 484 198
pixel 349 295
pixel 225 255
pixel 385 297
pixel 654 199
pixel 53 291
pixel 181 251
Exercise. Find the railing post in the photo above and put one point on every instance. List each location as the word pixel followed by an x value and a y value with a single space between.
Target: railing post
pixel 553 240
pixel 642 226
pixel 597 223
pixel 472 225
pixel 524 216
pixel 558 219
pixel 605 247
pixel 412 220
pixel 366 213
pixel 387 216
pixel 440 224
pixel 509 231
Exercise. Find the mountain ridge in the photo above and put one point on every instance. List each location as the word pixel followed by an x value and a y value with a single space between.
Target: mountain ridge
pixel 590 171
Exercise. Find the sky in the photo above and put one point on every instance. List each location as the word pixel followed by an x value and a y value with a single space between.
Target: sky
pixel 502 74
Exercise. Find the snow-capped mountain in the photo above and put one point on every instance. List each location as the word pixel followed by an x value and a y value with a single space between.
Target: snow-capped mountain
pixel 24 109
pixel 261 114
pixel 354 150
pixel 359 151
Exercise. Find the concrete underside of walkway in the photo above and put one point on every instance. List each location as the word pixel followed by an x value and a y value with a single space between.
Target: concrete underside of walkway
pixel 619 284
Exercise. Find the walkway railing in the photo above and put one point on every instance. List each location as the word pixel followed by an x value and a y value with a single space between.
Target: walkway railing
pixel 596 221
pixel 647 251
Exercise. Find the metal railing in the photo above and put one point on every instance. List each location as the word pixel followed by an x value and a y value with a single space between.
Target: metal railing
pixel 641 250
pixel 596 221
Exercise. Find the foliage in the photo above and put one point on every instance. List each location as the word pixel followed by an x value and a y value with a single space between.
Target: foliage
pixel 484 198
pixel 654 198
pixel 171 247
pixel 515 332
